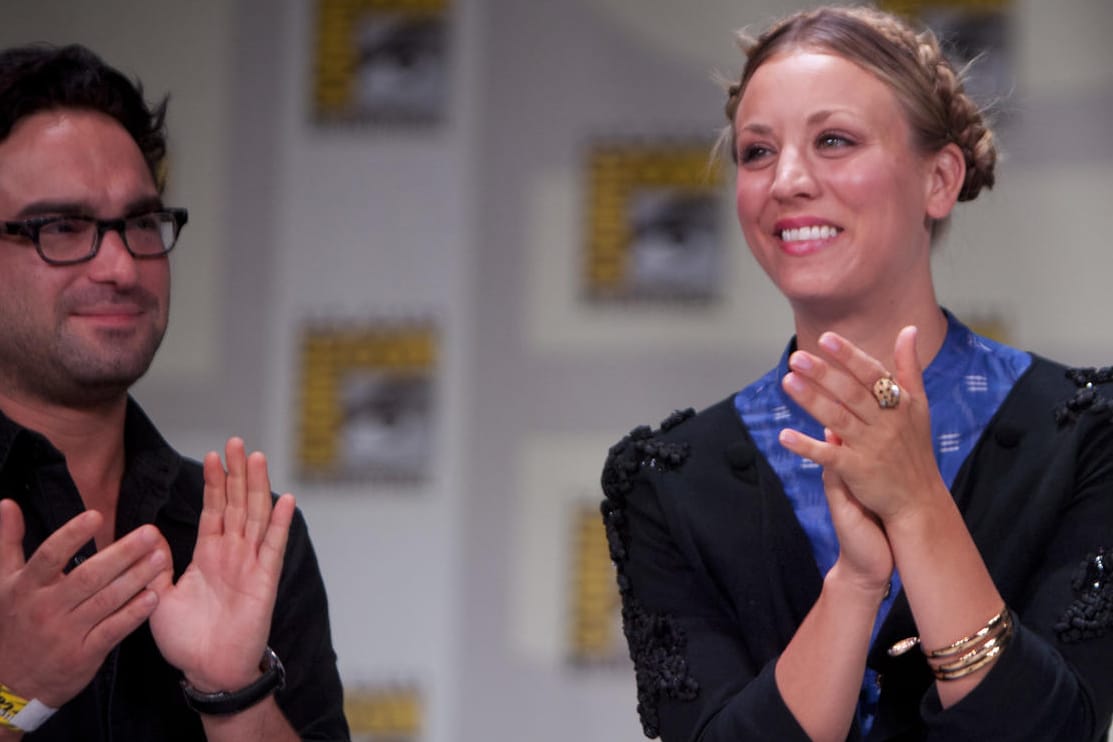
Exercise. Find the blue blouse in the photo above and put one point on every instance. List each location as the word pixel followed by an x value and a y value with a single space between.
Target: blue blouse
pixel 966 382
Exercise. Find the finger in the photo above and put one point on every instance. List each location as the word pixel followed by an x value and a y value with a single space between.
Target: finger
pixel 842 503
pixel 212 511
pixel 835 489
pixel 835 382
pixel 163 581
pixel 830 412
pixel 116 626
pixel 258 497
pixel 11 536
pixel 235 511
pixel 809 448
pixel 861 365
pixel 97 572
pixel 909 371
pixel 125 586
pixel 273 549
pixel 48 561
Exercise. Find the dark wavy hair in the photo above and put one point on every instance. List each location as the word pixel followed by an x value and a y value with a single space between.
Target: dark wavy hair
pixel 40 77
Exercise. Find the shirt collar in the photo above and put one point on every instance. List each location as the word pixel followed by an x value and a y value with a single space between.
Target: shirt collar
pixel 151 465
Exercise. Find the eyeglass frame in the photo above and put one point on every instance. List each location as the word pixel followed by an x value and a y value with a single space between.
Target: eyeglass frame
pixel 30 228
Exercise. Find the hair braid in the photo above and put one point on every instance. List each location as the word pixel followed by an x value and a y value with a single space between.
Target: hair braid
pixel 965 122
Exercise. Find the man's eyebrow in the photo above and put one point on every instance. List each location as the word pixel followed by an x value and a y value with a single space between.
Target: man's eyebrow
pixel 48 207
pixel 59 208
pixel 143 205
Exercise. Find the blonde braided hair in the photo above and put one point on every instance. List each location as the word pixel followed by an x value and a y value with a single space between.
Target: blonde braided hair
pixel 911 62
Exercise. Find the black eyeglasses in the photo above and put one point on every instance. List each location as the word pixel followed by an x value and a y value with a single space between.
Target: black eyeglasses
pixel 65 240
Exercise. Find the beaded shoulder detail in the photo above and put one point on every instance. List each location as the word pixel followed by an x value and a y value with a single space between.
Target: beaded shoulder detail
pixel 656 641
pixel 1088 396
pixel 1090 615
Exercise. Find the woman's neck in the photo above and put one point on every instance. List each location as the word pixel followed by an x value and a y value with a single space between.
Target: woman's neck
pixel 875 330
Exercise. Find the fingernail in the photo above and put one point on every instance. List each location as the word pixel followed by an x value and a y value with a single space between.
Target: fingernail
pixel 794 383
pixel 830 342
pixel 801 361
pixel 158 558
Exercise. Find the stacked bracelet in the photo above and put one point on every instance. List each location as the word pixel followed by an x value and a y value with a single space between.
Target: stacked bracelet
pixel 971 653
pixel 967 655
pixel 20 714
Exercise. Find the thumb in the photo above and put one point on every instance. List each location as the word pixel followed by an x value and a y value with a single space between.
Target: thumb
pixel 11 535
pixel 909 371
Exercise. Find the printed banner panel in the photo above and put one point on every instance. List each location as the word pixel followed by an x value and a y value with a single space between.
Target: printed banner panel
pixel 653 227
pixel 385 713
pixel 367 401
pixel 381 61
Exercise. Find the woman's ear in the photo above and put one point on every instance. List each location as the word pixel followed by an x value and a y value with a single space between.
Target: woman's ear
pixel 945 176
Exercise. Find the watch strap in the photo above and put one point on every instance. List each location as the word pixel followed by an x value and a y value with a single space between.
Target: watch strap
pixel 224 702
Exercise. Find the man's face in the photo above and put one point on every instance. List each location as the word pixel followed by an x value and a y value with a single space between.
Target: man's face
pixel 79 334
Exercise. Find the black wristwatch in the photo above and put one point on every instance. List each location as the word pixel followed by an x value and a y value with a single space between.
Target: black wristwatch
pixel 232 702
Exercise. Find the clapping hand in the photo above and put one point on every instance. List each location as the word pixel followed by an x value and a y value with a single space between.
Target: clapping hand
pixel 58 627
pixel 214 622
pixel 884 453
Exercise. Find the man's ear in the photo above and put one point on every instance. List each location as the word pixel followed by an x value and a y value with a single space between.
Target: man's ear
pixel 945 176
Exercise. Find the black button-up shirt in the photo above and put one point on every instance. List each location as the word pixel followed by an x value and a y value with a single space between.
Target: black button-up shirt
pixel 136 695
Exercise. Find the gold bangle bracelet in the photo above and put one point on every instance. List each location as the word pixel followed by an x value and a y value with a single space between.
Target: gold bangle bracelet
pixel 967 641
pixel 967 655
pixel 969 669
pixel 970 657
pixel 981 649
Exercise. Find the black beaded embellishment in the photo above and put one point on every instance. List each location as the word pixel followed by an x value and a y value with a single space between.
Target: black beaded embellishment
pixel 1087 398
pixel 1091 614
pixel 655 640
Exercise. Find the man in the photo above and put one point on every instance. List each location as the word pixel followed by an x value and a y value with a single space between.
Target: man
pixel 142 596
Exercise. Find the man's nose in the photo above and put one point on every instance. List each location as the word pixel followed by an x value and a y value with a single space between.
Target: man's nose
pixel 113 262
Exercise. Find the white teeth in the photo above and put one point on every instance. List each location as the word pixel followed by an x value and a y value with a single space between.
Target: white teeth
pixel 809 233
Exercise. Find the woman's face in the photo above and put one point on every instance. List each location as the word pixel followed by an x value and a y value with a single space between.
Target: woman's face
pixel 832 195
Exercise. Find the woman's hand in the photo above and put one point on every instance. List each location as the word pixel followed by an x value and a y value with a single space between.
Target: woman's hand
pixel 865 557
pixel 883 456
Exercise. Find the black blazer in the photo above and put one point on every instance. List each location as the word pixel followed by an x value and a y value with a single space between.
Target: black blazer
pixel 716 575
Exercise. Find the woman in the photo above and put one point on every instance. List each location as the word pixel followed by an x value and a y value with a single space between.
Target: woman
pixel 898 532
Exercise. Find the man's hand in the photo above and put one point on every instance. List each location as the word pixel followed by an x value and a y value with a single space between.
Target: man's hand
pixel 55 628
pixel 213 624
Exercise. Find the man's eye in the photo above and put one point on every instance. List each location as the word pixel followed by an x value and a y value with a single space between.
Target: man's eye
pixel 66 226
pixel 144 222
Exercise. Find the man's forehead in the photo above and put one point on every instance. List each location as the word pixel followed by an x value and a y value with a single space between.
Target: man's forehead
pixel 75 160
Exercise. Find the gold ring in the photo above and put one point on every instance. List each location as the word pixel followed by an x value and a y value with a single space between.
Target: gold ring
pixel 886 392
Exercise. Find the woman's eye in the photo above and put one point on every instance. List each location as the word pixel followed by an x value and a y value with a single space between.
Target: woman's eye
pixel 833 141
pixel 752 152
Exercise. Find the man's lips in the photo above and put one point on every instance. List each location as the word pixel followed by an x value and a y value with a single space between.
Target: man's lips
pixel 115 314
